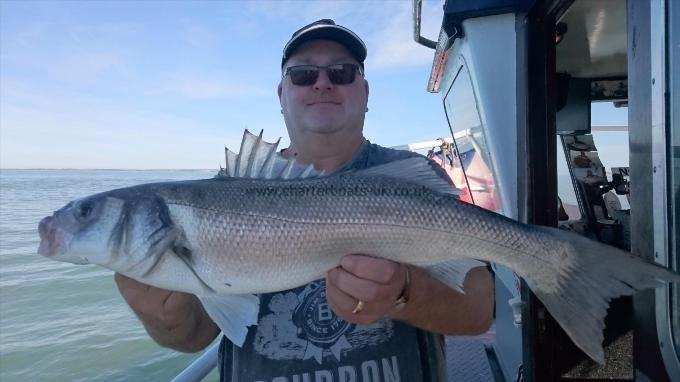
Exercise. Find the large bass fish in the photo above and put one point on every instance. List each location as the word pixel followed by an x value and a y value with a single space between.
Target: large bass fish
pixel 267 224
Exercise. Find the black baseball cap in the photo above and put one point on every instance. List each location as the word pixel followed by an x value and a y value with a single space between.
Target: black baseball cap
pixel 325 29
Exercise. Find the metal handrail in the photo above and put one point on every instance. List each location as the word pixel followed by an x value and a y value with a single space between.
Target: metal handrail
pixel 417 15
pixel 201 367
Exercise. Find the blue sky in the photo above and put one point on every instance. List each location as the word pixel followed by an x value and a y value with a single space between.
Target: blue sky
pixel 149 84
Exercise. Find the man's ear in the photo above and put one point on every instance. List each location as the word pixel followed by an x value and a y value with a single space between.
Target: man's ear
pixel 279 90
pixel 367 91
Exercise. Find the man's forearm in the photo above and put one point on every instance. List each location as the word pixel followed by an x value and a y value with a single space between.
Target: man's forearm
pixel 435 307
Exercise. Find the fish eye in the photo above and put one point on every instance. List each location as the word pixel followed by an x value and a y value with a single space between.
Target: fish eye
pixel 84 210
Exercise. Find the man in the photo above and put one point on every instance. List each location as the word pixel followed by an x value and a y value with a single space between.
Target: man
pixel 338 326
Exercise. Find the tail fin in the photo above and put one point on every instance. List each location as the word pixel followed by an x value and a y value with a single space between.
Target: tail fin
pixel 589 275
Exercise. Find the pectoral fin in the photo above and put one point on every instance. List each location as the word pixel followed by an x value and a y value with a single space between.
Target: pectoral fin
pixel 232 314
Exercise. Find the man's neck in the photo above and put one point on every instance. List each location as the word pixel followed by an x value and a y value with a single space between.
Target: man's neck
pixel 325 152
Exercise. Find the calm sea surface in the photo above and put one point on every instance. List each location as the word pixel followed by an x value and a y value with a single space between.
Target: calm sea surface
pixel 64 322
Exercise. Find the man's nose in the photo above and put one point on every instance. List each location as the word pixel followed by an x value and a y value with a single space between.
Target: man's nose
pixel 323 82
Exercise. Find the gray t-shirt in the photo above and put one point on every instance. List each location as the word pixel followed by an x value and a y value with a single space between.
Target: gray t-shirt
pixel 299 339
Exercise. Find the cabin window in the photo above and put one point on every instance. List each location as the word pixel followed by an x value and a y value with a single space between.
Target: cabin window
pixel 610 133
pixel 472 161
pixel 612 147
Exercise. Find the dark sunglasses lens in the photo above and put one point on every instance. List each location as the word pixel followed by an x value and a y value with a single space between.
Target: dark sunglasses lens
pixel 304 76
pixel 341 74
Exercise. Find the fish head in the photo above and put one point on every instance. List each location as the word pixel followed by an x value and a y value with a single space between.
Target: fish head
pixel 120 230
pixel 78 232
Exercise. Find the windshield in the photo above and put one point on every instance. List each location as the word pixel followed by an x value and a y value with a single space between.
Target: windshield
pixel 472 161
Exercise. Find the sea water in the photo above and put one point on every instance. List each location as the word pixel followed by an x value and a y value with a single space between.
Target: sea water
pixel 65 322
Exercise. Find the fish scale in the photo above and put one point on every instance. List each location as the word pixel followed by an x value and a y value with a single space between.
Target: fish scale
pixel 277 228
pixel 229 238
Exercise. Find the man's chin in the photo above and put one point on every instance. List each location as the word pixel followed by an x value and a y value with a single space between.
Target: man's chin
pixel 323 128
pixel 325 125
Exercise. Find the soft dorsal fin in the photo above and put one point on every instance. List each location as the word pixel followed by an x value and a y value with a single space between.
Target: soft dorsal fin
pixel 258 159
pixel 418 170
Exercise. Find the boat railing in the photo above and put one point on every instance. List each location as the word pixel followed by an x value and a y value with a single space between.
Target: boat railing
pixel 201 367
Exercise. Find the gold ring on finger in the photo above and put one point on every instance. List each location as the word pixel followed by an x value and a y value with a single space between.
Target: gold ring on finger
pixel 359 307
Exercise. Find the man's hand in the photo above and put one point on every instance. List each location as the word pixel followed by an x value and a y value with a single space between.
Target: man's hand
pixel 376 282
pixel 432 305
pixel 173 319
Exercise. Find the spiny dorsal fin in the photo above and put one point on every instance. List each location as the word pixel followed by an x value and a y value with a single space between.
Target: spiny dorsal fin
pixel 230 160
pixel 418 170
pixel 258 159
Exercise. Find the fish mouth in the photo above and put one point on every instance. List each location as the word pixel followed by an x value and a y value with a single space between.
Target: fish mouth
pixel 52 238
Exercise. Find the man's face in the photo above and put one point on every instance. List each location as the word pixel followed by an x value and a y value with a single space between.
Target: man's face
pixel 323 107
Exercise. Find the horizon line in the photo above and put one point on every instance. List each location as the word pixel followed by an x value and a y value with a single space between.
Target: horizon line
pixel 104 169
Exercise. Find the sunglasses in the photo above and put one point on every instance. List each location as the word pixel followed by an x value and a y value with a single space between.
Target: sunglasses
pixel 338 74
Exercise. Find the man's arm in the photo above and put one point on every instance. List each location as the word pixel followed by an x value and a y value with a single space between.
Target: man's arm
pixel 432 305
pixel 173 319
